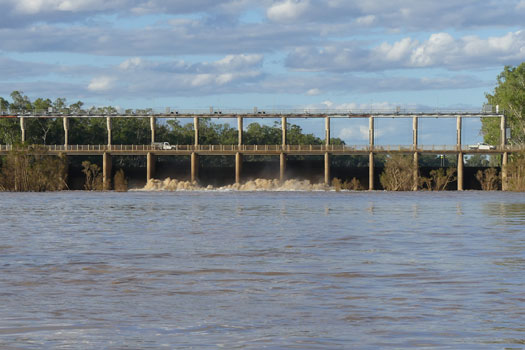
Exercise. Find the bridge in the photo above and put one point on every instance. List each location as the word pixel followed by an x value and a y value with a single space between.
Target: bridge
pixel 282 150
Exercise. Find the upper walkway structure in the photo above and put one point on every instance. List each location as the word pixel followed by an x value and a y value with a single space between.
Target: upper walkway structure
pixel 281 150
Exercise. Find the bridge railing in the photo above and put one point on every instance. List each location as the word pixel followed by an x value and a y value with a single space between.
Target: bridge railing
pixel 270 148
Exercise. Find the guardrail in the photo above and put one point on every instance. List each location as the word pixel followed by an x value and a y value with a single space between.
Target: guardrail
pixel 268 148
pixel 233 113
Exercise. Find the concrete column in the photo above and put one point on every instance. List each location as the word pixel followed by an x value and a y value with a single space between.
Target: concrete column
pixel 503 137
pixel 414 132
pixel 283 133
pixel 239 128
pixel 458 132
pixel 108 123
pixel 460 171
pixel 504 172
pixel 152 124
pixel 238 167
pixel 150 166
pixel 327 130
pixel 23 128
pixel 416 171
pixel 371 171
pixel 282 166
pixel 196 129
pixel 106 171
pixel 371 132
pixel 327 168
pixel 371 154
pixel 194 167
pixel 66 131
pixel 416 155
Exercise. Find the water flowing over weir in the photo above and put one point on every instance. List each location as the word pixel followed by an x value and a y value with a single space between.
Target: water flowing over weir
pixel 252 185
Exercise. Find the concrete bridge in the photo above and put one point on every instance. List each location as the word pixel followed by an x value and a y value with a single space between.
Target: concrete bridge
pixel 282 150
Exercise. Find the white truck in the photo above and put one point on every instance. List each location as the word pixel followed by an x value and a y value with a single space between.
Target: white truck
pixel 162 145
pixel 482 146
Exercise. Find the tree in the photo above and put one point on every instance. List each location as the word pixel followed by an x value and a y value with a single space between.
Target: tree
pixel 509 94
pixel 20 101
pixel 4 104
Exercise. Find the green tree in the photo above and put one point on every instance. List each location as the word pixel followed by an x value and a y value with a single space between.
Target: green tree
pixel 4 104
pixel 20 101
pixel 509 94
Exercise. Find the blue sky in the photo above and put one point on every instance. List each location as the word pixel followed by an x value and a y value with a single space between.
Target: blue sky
pixel 272 54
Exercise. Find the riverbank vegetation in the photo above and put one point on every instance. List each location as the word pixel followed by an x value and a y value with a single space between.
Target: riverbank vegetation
pixel 31 169
pixel 516 172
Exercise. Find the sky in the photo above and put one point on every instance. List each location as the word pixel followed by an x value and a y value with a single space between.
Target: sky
pixel 270 54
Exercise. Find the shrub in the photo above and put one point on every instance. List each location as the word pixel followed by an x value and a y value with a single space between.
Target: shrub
pixel 94 180
pixel 489 179
pixel 120 182
pixel 398 174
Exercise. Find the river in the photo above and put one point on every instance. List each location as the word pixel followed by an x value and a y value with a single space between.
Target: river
pixel 262 270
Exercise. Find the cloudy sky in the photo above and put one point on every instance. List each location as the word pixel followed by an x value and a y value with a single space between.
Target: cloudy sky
pixel 265 53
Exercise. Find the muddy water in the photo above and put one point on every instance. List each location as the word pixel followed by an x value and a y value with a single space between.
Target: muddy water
pixel 262 270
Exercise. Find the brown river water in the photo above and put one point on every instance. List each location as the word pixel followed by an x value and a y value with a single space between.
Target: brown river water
pixel 262 270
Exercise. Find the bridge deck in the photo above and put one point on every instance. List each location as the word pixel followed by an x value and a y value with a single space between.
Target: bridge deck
pixel 217 150
pixel 226 114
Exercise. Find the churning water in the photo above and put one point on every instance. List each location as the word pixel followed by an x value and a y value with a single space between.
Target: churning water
pixel 262 270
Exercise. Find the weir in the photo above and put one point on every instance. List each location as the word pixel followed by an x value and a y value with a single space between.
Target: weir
pixel 238 151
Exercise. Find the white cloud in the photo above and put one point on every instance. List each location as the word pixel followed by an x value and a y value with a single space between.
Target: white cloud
pixel 397 51
pixel 439 50
pixel 131 63
pixel 366 20
pixel 238 61
pixel 32 7
pixel 287 10
pixel 102 83
pixel 313 92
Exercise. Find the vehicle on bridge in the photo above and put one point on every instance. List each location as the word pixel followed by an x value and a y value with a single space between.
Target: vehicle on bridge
pixel 482 146
pixel 162 145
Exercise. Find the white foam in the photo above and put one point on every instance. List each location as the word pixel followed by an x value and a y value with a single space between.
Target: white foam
pixel 169 184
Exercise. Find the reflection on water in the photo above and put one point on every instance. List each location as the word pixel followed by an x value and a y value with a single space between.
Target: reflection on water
pixel 276 270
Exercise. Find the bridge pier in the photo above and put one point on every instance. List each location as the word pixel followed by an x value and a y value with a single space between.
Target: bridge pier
pixel 416 155
pixel 196 130
pixel 283 132
pixel 327 155
pixel 282 166
pixel 239 129
pixel 150 166
pixel 106 171
pixel 23 128
pixel 505 155
pixel 238 167
pixel 416 172
pixel 504 172
pixel 460 154
pixel 66 131
pixel 108 125
pixel 371 171
pixel 194 167
pixel 327 130
pixel 152 124
pixel 460 171
pixel 327 168
pixel 371 154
